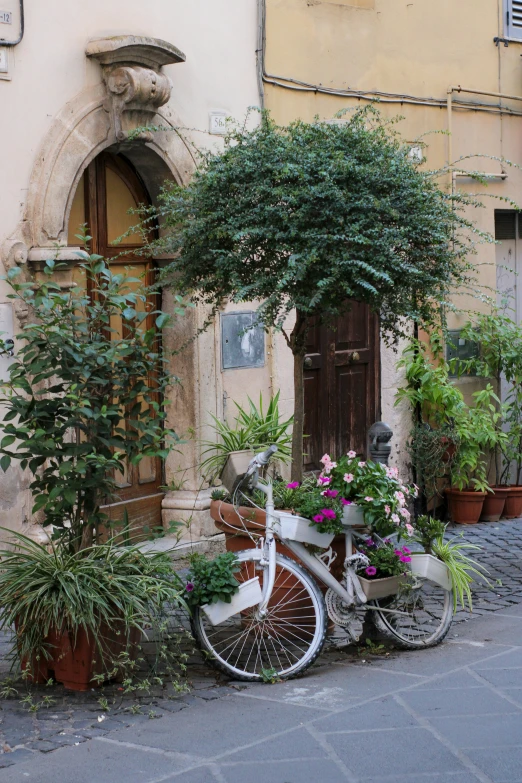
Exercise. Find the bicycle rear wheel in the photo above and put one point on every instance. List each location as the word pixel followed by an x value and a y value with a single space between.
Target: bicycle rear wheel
pixel 281 645
pixel 419 616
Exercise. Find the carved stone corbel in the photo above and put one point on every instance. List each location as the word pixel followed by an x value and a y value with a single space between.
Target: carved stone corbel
pixel 132 74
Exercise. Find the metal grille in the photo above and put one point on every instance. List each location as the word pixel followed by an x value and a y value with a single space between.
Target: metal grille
pixel 505 223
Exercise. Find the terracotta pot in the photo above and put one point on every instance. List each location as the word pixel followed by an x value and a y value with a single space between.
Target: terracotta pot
pixel 494 503
pixel 465 506
pixel 513 506
pixel 75 661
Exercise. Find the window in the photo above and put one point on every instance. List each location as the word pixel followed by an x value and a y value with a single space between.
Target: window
pixel 508 252
pixel 513 10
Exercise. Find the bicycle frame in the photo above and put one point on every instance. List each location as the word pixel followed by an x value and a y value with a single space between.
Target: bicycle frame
pixel 353 593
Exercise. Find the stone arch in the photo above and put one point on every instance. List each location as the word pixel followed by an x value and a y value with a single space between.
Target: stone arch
pixel 82 130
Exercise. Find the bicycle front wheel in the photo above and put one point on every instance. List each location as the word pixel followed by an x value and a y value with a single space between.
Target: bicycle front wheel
pixel 419 616
pixel 282 644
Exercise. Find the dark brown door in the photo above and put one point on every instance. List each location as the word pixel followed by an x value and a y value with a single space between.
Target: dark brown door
pixel 342 385
pixel 108 190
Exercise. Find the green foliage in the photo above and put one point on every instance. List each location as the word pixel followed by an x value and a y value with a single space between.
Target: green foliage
pixel 254 429
pixel 386 559
pixel 462 568
pixel 500 358
pixel 210 581
pixel 219 494
pixel 472 430
pixel 427 529
pixel 82 399
pixel 50 589
pixel 311 215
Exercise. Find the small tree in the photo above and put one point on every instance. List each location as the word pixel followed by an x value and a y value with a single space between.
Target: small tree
pixel 79 400
pixel 306 218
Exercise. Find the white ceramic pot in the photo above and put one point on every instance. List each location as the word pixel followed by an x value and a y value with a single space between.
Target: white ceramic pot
pixel 353 515
pixel 249 594
pixel 296 528
pixel 431 568
pixel 380 588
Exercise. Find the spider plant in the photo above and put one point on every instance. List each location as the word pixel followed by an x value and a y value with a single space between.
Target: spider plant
pixel 462 568
pixel 254 429
pixel 48 589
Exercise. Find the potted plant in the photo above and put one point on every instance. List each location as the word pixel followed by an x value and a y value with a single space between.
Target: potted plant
pixel 387 570
pixel 477 428
pixel 211 584
pixel 76 612
pixel 77 407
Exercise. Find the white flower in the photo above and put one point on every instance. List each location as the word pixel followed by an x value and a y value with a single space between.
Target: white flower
pixel 388 510
pixel 396 519
pixel 362 464
pixel 351 454
pixel 405 513
pixel 410 529
pixel 348 477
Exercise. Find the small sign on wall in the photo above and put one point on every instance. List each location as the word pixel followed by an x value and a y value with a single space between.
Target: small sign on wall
pixel 218 122
pixel 242 341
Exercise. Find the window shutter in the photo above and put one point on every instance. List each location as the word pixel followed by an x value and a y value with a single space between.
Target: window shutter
pixel 514 18
pixel 505 224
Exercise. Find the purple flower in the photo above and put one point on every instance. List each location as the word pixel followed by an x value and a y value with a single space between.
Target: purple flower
pixel 369 542
pixel 328 513
pixel 318 518
pixel 406 550
pixel 370 571
pixel 330 493
pixel 189 587
pixel 345 502
pixel 405 559
pixel 323 480
pixel 292 485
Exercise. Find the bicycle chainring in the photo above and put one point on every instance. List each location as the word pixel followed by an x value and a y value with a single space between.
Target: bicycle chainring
pixel 338 612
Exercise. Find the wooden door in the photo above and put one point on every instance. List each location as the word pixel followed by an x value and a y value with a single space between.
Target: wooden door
pixel 342 385
pixel 108 189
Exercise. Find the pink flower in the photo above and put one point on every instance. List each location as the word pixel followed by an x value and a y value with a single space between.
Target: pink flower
pixel 189 587
pixel 409 530
pixel 362 464
pixel 389 473
pixel 328 513
pixel 323 480
pixel 345 502
pixel 406 550
pixel 405 559
pixel 368 499
pixel 318 518
pixel 351 454
pixel 325 459
pixel 397 552
pixel 399 496
pixel 387 510
pixel 292 485
pixel 348 477
pixel 370 571
pixel 404 513
pixel 330 493
pixel 327 462
pixel 395 518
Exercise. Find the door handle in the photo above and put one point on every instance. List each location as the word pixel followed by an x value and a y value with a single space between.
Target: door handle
pixel 308 362
pixel 354 357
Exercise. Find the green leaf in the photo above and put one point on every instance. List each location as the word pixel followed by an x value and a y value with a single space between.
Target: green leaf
pixel 5 461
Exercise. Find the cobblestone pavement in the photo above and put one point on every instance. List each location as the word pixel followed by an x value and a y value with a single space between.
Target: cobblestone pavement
pixel 74 719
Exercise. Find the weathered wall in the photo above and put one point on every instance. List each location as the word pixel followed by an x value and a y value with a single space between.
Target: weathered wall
pixel 407 53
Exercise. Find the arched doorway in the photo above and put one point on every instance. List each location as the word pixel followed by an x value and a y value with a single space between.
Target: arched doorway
pixel 108 189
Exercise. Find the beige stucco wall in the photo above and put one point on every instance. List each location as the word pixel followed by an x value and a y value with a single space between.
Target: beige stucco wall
pixel 409 49
pixel 54 121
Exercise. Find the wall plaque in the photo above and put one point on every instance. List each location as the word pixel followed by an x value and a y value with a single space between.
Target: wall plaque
pixel 242 344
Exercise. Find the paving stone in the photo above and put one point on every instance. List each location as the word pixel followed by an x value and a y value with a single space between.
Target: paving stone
pixel 281 772
pixel 481 731
pixel 503 765
pixel 44 746
pixel 469 701
pixel 67 739
pixel 15 757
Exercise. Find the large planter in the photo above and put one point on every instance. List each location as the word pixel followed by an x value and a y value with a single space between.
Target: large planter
pixel 494 503
pixel 295 528
pixel 513 505
pixel 77 659
pixel 380 588
pixel 465 506
pixel 432 568
pixel 235 467
pixel 249 594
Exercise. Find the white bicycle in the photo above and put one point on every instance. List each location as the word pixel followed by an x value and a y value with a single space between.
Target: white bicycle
pixel 283 634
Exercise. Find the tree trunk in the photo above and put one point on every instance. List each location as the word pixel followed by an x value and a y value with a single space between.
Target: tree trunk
pixel 298 346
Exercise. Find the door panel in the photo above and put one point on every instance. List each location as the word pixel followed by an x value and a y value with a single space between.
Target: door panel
pixel 107 190
pixel 341 385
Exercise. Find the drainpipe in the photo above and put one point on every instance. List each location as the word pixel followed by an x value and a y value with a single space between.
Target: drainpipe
pixel 450 91
pixel 3 42
pixel 260 51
